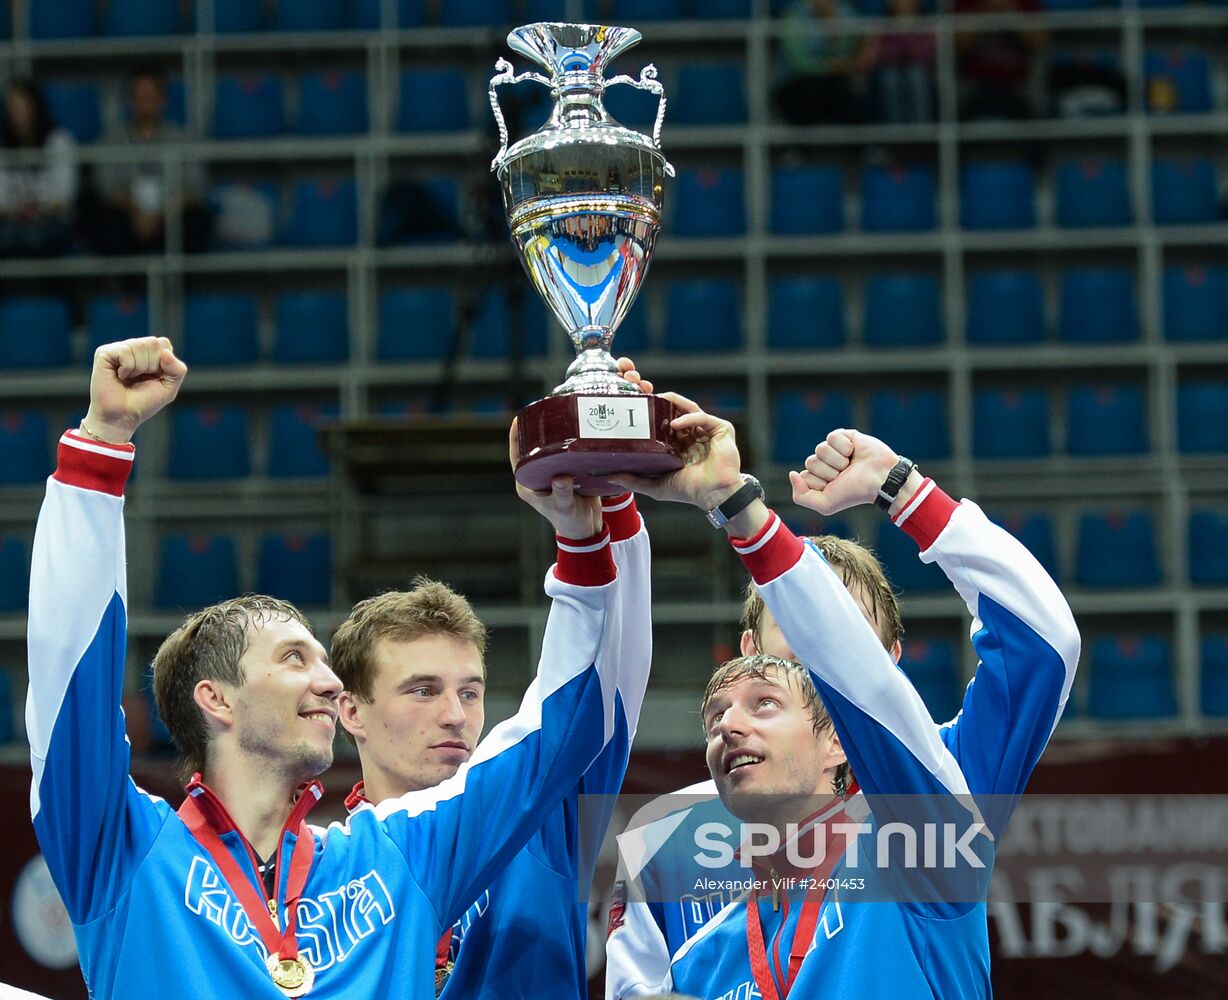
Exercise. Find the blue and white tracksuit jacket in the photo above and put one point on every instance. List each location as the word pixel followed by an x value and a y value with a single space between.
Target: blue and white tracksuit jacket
pixel 151 915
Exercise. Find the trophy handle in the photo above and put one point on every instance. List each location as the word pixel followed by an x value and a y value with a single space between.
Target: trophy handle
pixel 647 81
pixel 506 74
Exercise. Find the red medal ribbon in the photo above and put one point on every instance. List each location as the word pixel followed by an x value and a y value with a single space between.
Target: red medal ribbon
pixel 205 816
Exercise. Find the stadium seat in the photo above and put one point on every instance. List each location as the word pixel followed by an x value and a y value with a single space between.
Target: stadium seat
pixel 76 107
pixel 365 15
pixel 1117 549
pixel 800 420
pixel 901 310
pixel 1098 306
pixel 311 328
pixel 318 15
pixel 630 11
pixel 1093 193
pixel 709 202
pixel 295 567
pixel 294 446
pixel 933 667
pixel 997 195
pixel 628 106
pixel 333 103
pixel 1195 303
pixel 805 312
pixel 249 106
pixel 142 17
pixel 35 333
pixel 25 447
pixel 898 554
pixel 477 14
pixel 807 199
pixel 1106 420
pixel 195 571
pixel 62 19
pixel 703 315
pixel 419 210
pixel 1178 81
pixel 708 94
pixel 1010 423
pixel 1202 417
pixel 1208 547
pixel 220 329
pixel 1131 678
pixel 323 213
pixel 721 9
pixel 1214 660
pixel 913 421
pixel 411 13
pixel 1005 307
pixel 1035 532
pixel 415 324
pixel 898 199
pixel 1184 192
pixel 109 318
pixel 209 442
pixel 632 336
pixel 543 10
pixel 14 573
pixel 236 16
pixel 491 332
pixel 433 100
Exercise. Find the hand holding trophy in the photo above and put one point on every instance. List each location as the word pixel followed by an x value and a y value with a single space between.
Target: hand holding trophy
pixel 583 197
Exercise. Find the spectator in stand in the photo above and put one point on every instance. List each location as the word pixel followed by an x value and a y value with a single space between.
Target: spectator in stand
pixel 995 66
pixel 129 214
pixel 824 64
pixel 906 69
pixel 38 177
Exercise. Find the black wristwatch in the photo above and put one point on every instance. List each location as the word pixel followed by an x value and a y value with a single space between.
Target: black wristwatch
pixel 741 498
pixel 894 481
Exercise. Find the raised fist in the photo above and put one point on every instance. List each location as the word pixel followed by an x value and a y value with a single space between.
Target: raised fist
pixel 130 382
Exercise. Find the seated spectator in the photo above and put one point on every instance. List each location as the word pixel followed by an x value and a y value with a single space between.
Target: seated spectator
pixel 128 214
pixel 38 177
pixel 995 67
pixel 906 69
pixel 824 65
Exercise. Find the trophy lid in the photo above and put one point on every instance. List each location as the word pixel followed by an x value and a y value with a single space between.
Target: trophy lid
pixel 571 48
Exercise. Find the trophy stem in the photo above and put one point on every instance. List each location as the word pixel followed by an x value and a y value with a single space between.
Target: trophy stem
pixel 595 372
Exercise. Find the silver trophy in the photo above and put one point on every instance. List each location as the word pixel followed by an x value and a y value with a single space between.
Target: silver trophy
pixel 583 197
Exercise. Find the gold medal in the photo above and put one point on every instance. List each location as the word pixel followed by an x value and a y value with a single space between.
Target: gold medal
pixel 441 977
pixel 293 976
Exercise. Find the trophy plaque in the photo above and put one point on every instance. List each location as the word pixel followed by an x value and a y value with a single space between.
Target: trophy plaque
pixel 583 197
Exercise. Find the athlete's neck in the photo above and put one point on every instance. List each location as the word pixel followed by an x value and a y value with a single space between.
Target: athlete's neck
pixel 379 784
pixel 258 803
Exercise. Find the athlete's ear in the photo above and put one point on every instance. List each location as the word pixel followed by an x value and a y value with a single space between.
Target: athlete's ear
pixel 348 713
pixel 748 645
pixel 213 698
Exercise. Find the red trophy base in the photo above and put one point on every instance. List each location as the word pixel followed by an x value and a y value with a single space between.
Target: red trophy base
pixel 591 437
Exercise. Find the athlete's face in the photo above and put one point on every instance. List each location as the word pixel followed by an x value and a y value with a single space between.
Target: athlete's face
pixel 425 715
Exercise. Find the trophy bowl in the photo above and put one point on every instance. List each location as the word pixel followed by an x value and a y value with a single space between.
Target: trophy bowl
pixel 583 197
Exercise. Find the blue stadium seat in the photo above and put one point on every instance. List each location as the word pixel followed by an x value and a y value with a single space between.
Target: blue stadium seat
pixel 898 199
pixel 248 106
pixel 14 573
pixel 543 10
pixel 142 17
pixel 492 327
pixel 1093 193
pixel 807 199
pixel 433 100
pixel 997 195
pixel 1106 420
pixel 415 324
pixel 1208 546
pixel 318 15
pixel 1005 307
pixel 1202 417
pixel 632 336
pixel 1035 532
pixel 703 315
pixel 1117 549
pixel 296 567
pixel 323 213
pixel 800 420
pixel 109 318
pixel 411 13
pixel 25 447
pixel 806 312
pixel 912 421
pixel 1214 658
pixel 195 571
pixel 1195 303
pixel 35 333
pixel 365 14
pixel 1184 192
pixel 902 310
pixel 1178 81
pixel 898 554
pixel 220 329
pixel 294 446
pixel 708 94
pixel 1010 423
pixel 632 107
pixel 477 14
pixel 77 107
pixel 721 9
pixel 1098 306
pixel 311 328
pixel 933 667
pixel 6 21
pixel 630 11
pixel 1131 678
pixel 62 18
pixel 333 103
pixel 209 442
pixel 709 202
pixel 235 16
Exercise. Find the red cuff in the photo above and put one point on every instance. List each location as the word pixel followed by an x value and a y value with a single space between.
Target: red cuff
pixel 93 465
pixel 925 516
pixel 620 516
pixel 772 551
pixel 585 562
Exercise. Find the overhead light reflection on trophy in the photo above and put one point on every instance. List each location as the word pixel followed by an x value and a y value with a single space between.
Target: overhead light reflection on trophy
pixel 583 197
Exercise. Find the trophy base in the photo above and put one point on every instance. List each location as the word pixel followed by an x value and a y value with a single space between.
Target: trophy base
pixel 591 437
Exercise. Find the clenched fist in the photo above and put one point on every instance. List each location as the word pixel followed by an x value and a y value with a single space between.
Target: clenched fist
pixel 130 382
